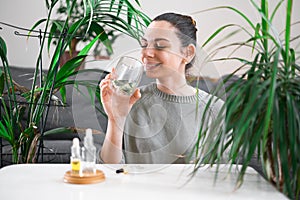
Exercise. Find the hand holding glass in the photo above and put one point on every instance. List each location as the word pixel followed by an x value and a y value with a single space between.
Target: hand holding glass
pixel 128 74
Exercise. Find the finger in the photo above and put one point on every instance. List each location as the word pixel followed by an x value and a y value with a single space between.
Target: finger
pixel 104 82
pixel 108 76
pixel 102 85
pixel 105 91
pixel 113 73
pixel 137 93
pixel 135 96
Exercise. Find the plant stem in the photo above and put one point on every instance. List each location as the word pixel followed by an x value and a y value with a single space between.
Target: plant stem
pixel 287 33
pixel 265 26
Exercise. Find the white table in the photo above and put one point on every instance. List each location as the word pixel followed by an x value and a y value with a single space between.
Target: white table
pixel 45 181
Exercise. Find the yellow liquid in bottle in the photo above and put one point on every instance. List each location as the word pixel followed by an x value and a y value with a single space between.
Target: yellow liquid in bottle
pixel 75 166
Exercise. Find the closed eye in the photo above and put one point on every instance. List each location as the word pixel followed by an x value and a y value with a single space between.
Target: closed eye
pixel 159 46
pixel 143 43
pixel 144 46
pixel 159 43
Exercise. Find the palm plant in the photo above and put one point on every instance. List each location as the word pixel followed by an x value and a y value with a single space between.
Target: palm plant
pixel 24 137
pixel 261 114
pixel 109 17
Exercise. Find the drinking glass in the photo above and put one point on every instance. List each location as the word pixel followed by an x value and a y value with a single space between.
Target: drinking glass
pixel 128 74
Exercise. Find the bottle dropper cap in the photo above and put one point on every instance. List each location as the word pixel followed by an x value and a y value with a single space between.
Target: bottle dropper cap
pixel 75 142
pixel 88 139
pixel 75 147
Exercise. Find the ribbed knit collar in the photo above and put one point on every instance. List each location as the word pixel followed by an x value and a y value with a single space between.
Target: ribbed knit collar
pixel 175 98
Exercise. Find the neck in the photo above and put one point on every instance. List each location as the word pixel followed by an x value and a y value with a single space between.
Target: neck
pixel 174 86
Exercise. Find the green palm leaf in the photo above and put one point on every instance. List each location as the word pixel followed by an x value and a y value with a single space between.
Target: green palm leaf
pixel 262 107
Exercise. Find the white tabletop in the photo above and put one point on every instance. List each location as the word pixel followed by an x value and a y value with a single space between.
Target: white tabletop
pixel 45 181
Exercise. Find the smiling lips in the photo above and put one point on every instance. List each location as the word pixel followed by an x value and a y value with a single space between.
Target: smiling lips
pixel 151 66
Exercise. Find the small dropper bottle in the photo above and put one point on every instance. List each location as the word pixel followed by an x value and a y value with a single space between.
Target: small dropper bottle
pixel 75 157
pixel 89 153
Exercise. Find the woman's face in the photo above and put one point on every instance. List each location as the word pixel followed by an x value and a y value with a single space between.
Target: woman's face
pixel 162 51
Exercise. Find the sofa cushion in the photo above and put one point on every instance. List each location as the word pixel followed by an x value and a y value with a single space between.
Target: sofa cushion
pixel 79 112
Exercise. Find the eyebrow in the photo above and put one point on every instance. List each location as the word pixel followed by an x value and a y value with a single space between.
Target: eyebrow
pixel 156 39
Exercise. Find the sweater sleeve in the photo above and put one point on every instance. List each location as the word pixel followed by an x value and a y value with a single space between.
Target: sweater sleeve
pixel 100 160
pixel 211 122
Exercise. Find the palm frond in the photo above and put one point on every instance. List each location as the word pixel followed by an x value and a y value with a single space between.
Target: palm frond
pixel 261 110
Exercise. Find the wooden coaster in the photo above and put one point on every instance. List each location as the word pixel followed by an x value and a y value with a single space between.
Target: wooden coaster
pixel 87 178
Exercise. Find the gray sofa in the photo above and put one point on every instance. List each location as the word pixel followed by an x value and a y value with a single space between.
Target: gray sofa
pixel 79 113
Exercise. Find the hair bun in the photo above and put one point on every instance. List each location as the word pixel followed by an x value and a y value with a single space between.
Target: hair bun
pixel 193 21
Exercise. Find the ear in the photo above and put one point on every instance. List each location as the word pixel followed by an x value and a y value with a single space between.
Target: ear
pixel 191 52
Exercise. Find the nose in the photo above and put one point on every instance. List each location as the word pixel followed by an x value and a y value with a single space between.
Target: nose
pixel 148 52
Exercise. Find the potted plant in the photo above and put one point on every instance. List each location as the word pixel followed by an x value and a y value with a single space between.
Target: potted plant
pixel 100 51
pixel 24 137
pixel 262 109
pixel 82 34
pixel 106 16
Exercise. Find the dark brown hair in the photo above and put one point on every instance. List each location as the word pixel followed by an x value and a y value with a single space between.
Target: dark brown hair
pixel 186 27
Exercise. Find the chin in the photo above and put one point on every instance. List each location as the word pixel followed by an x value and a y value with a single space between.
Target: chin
pixel 151 74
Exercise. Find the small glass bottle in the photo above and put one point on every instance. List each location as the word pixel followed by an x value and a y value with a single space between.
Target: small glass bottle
pixel 75 157
pixel 89 153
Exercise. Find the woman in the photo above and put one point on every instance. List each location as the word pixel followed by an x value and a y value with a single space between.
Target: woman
pixel 159 123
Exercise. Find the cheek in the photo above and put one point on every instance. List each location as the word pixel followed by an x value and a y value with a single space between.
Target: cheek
pixel 167 58
pixel 173 60
pixel 163 57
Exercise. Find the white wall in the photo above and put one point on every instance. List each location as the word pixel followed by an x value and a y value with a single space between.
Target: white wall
pixel 20 13
pixel 22 52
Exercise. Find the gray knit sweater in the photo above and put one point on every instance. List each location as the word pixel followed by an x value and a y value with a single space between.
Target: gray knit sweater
pixel 163 128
